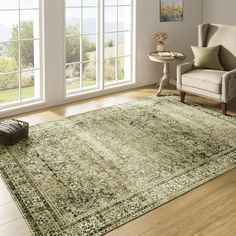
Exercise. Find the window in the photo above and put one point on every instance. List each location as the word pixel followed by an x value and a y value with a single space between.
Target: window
pixel 84 51
pixel 117 41
pixel 98 44
pixel 20 81
pixel 81 45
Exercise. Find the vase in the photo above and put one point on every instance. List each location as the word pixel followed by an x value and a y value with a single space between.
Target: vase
pixel 160 47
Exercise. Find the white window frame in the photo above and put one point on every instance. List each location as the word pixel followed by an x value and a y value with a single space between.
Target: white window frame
pixel 101 86
pixel 30 101
pixel 131 56
pixel 81 35
pixel 52 58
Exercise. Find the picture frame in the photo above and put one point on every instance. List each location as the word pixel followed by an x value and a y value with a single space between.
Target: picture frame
pixel 171 10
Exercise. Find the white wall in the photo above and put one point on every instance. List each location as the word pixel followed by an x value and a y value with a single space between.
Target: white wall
pixel 181 36
pixel 219 11
pixel 54 51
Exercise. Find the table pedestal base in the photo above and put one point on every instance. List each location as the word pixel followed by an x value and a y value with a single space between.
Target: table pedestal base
pixel 165 78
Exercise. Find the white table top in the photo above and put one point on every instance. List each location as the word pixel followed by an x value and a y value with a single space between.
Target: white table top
pixel 154 56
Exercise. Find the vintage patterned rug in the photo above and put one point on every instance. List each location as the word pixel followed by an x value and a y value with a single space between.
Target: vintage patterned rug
pixel 90 173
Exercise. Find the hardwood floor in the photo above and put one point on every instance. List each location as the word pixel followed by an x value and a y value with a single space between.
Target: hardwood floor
pixel 209 210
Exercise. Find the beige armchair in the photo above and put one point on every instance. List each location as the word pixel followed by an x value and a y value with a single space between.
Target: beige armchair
pixel 214 84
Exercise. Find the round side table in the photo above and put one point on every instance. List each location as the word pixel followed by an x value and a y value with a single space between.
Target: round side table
pixel 174 57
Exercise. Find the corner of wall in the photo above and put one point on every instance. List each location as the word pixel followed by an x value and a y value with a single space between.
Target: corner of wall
pixel 202 11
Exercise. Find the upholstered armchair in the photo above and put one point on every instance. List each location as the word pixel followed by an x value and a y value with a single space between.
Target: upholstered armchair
pixel 214 84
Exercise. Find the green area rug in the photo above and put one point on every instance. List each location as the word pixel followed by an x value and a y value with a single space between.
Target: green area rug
pixel 90 173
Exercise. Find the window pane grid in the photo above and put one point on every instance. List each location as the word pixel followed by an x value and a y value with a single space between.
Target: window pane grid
pixel 22 9
pixel 20 52
pixel 19 60
pixel 71 35
pixel 127 5
pixel 120 44
pixel 117 40
pixel 80 7
pixel 117 57
pixel 17 40
pixel 86 30
pixel 117 31
pixel 74 63
pixel 81 46
pixel 113 63
pixel 18 71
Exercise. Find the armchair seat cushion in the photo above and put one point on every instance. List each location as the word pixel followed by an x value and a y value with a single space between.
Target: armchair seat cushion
pixel 208 80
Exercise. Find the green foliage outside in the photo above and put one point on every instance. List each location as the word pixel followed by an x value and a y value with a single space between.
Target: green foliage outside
pixel 27 46
pixel 110 69
pixel 9 61
pixel 73 55
pixel 8 81
pixel 89 54
pixel 90 71
pixel 73 45
pixel 11 95
pixel 109 44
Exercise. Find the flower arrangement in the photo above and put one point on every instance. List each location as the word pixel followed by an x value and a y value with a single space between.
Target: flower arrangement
pixel 161 37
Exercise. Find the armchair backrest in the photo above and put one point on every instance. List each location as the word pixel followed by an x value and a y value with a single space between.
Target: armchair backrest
pixel 224 35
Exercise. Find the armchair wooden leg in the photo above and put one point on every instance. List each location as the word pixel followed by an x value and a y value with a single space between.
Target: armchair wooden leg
pixel 182 96
pixel 224 108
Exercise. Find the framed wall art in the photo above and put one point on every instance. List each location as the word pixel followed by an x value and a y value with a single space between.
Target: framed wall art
pixel 171 10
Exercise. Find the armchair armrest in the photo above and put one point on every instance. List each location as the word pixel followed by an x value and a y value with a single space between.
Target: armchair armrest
pixel 228 86
pixel 182 69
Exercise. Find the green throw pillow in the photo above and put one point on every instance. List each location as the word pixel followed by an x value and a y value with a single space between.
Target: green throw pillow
pixel 207 58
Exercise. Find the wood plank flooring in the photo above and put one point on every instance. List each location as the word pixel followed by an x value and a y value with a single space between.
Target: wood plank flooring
pixel 209 210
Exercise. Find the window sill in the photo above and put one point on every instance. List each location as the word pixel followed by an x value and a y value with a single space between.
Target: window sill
pixel 23 108
pixel 112 88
